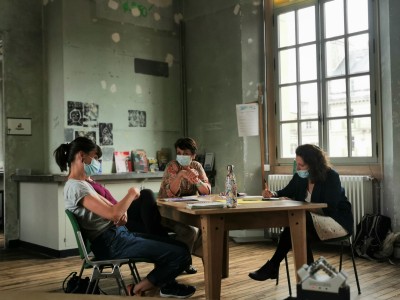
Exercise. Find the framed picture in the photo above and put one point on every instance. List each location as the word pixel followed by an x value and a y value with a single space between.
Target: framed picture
pixel 20 126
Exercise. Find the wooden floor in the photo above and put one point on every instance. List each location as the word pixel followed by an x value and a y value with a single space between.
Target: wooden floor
pixel 27 271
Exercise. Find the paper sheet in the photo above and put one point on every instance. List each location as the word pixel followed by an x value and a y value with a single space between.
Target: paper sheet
pixel 247 119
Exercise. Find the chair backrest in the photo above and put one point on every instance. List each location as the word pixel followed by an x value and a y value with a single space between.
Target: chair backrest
pixel 83 244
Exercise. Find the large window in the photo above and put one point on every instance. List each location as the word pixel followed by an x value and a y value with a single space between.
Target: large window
pixel 324 79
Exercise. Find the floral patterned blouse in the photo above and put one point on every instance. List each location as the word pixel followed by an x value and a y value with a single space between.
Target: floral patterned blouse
pixel 186 188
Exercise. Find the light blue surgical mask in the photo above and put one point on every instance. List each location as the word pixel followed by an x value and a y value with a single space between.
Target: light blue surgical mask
pixel 93 168
pixel 183 160
pixel 303 173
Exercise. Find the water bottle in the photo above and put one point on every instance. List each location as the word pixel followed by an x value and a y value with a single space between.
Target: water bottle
pixel 230 188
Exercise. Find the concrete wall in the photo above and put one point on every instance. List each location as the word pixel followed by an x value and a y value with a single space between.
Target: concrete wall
pixel 21 27
pixel 390 78
pixel 91 60
pixel 224 56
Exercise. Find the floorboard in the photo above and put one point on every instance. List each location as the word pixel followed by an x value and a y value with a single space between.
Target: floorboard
pixel 23 270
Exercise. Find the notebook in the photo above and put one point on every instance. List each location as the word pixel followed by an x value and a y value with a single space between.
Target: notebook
pixel 205 204
pixel 181 199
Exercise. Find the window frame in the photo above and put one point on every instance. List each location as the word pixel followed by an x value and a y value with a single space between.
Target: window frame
pixel 322 118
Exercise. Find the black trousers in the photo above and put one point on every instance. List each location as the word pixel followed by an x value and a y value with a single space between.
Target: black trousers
pixel 144 217
pixel 285 242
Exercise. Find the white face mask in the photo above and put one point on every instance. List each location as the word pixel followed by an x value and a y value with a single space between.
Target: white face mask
pixel 303 173
pixel 183 160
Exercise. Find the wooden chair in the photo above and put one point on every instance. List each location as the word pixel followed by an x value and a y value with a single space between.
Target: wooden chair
pixel 101 267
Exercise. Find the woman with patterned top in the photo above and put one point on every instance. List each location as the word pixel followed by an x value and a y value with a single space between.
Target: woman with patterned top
pixel 184 177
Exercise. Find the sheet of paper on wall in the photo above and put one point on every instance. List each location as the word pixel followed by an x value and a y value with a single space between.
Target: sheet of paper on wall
pixel 247 119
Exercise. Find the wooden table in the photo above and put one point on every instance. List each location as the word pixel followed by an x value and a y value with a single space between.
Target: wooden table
pixel 215 224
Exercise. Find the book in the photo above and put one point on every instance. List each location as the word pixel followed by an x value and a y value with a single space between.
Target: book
pixel 140 162
pixel 252 198
pixel 180 199
pixel 122 161
pixel 205 204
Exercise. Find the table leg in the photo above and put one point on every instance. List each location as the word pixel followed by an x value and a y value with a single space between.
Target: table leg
pixel 225 261
pixel 213 248
pixel 297 223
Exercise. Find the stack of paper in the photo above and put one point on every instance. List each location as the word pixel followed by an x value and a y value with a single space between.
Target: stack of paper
pixel 205 204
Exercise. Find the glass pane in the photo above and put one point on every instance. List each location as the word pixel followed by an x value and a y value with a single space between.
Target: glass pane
pixel 358 54
pixel 336 98
pixel 334 18
pixel 286 29
pixel 357 15
pixel 306 24
pixel 287 66
pixel 309 132
pixel 360 96
pixel 335 63
pixel 289 140
pixel 337 138
pixel 288 101
pixel 308 63
pixel 361 140
pixel 308 101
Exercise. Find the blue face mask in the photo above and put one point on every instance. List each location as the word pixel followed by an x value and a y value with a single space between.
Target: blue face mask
pixel 93 168
pixel 303 173
pixel 183 160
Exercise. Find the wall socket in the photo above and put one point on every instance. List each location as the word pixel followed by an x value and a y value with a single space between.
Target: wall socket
pixel 267 168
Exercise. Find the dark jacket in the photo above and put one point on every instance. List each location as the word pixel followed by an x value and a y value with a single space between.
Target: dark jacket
pixel 330 192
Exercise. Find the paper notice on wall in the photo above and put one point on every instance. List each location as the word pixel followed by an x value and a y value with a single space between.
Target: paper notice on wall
pixel 247 119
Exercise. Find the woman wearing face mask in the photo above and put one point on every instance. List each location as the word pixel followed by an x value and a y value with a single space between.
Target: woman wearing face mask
pixel 185 177
pixel 315 181
pixel 102 223
pixel 143 214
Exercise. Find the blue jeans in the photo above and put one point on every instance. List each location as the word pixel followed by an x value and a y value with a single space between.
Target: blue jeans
pixel 169 257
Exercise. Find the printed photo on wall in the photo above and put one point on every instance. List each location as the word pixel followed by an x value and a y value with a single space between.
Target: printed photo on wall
pixel 106 135
pixel 90 114
pixel 75 113
pixel 137 118
pixel 89 134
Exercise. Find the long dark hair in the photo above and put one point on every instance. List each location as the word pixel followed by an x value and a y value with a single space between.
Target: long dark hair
pixel 186 143
pixel 65 153
pixel 317 161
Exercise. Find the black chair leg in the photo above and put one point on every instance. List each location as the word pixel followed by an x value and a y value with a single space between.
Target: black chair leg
pixel 288 276
pixel 354 267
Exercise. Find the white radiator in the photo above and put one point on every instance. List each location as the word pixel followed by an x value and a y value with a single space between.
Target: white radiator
pixel 359 191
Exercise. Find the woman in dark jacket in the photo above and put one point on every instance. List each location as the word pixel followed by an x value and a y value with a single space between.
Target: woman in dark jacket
pixel 315 181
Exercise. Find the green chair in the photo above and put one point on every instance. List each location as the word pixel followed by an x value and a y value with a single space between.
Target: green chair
pixel 101 267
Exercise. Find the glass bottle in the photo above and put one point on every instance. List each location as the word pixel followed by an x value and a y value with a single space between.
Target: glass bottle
pixel 230 188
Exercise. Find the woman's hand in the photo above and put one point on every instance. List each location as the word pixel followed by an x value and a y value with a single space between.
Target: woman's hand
pixel 122 221
pixel 267 194
pixel 134 192
pixel 190 175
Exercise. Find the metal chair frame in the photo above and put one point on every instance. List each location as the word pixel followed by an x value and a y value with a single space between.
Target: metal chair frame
pixel 342 240
pixel 99 266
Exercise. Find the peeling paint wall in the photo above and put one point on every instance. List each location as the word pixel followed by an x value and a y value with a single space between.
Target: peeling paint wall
pixel 96 63
pixel 21 27
pixel 390 78
pixel 224 55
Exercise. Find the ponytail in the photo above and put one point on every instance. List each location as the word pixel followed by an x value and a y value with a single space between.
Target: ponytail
pixel 65 153
pixel 61 156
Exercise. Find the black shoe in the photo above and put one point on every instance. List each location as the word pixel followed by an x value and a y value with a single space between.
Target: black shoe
pixel 191 270
pixel 177 290
pixel 267 271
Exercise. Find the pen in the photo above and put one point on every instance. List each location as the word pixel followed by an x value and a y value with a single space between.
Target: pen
pixel 266 184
